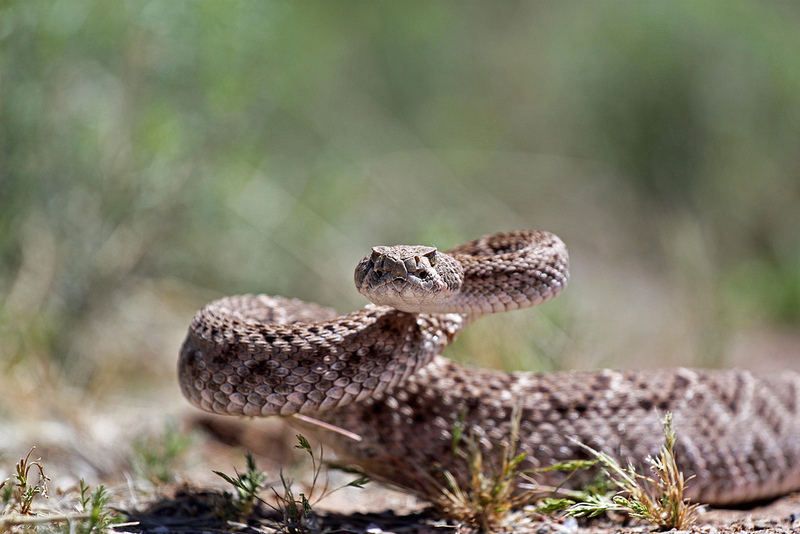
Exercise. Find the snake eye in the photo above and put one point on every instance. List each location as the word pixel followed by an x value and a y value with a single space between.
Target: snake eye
pixel 431 257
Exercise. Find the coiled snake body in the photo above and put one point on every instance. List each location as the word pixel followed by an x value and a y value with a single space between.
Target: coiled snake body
pixel 377 372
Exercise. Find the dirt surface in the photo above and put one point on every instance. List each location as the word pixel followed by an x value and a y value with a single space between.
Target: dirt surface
pixel 376 509
pixel 194 510
pixel 195 499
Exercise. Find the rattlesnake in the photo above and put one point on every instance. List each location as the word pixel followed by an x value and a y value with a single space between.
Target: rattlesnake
pixel 377 373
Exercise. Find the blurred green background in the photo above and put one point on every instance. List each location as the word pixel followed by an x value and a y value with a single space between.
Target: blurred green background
pixel 155 155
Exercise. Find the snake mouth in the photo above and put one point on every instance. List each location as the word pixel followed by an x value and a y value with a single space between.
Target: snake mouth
pixel 406 294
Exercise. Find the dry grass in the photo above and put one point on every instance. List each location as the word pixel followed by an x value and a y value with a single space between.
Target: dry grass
pixel 19 493
pixel 491 489
pixel 657 498
pixel 494 486
pixel 19 490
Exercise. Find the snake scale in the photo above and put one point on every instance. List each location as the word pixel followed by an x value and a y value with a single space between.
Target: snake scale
pixel 377 373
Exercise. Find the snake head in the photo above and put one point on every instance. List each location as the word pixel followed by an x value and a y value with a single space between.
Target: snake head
pixel 414 279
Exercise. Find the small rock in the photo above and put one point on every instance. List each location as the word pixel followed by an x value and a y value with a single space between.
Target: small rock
pixel 569 526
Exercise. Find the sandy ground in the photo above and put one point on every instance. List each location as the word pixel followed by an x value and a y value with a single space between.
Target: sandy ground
pixel 190 500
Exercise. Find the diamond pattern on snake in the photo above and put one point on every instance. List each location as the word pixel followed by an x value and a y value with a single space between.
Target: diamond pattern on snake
pixel 378 373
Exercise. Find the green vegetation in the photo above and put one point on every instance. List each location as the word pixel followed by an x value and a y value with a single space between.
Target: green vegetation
pixel 496 485
pixel 491 487
pixel 157 457
pixel 247 485
pixel 296 510
pixel 97 516
pixel 19 492
pixel 657 498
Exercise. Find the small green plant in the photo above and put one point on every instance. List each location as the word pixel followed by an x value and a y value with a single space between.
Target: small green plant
pixel 96 516
pixel 657 498
pixel 599 486
pixel 18 491
pixel 491 489
pixel 156 457
pixel 295 511
pixel 247 485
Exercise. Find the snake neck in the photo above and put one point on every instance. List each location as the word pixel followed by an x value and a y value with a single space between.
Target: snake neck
pixel 507 271
pixel 493 288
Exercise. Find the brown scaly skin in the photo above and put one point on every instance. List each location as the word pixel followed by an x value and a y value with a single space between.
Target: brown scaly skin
pixel 377 373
